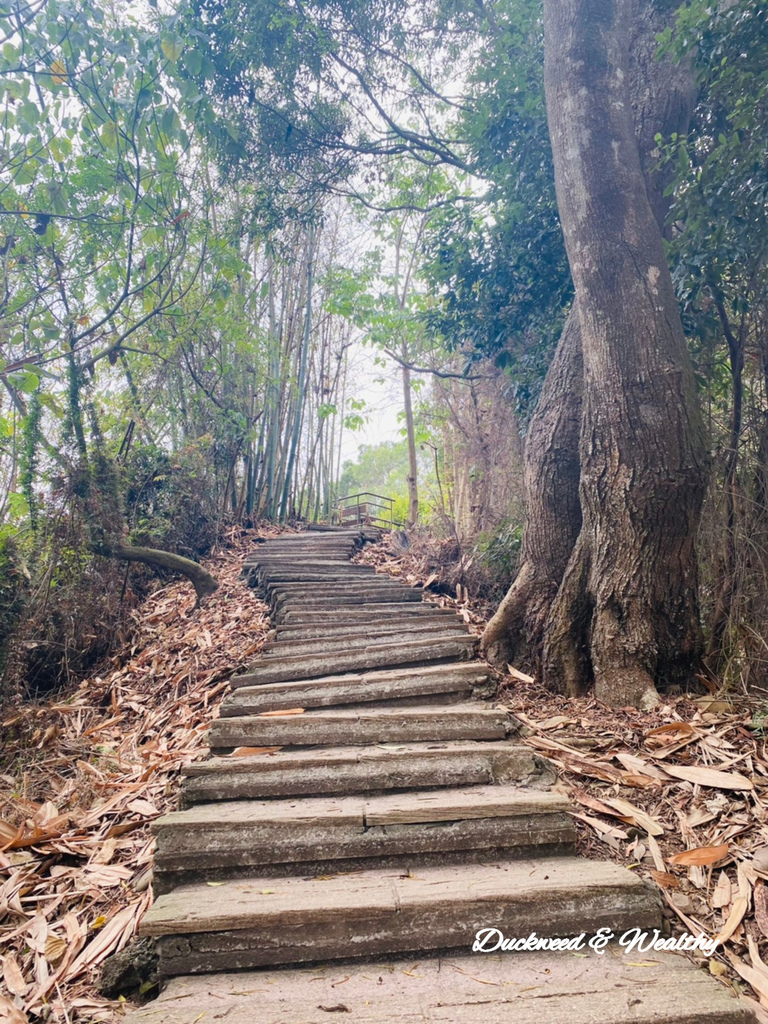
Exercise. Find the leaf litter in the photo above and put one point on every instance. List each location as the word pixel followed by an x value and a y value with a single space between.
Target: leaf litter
pixel 85 772
pixel 689 786
pixel 678 795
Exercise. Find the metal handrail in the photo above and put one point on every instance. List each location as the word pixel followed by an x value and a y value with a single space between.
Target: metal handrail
pixel 362 509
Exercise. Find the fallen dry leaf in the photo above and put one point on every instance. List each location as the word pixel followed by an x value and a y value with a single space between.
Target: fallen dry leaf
pixel 13 977
pixel 754 978
pixel 665 880
pixel 636 815
pixel 722 893
pixel 761 906
pixel 708 777
pixel 277 714
pixel 700 856
pixel 9 1014
pixel 736 916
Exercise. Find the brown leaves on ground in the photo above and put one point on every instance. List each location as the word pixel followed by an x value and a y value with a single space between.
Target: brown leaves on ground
pixel 678 794
pixel 388 560
pixel 85 774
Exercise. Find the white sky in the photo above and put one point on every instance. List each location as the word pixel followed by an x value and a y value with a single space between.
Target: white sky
pixel 380 387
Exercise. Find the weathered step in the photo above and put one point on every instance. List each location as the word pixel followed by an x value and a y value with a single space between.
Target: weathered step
pixel 364 613
pixel 315 646
pixel 347 770
pixel 320 834
pixel 369 590
pixel 266 921
pixel 460 681
pixel 351 728
pixel 324 632
pixel 300 543
pixel 377 655
pixel 348 596
pixel 361 583
pixel 300 560
pixel 329 575
pixel 510 988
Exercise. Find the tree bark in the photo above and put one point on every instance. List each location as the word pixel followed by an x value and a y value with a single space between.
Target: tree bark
pixel 412 479
pixel 201 580
pixel 662 96
pixel 626 613
pixel 553 513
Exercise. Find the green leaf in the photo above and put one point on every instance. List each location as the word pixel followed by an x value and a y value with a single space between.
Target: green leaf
pixel 171 46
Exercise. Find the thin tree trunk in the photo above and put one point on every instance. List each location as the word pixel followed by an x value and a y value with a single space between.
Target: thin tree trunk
pixel 301 383
pixel 413 465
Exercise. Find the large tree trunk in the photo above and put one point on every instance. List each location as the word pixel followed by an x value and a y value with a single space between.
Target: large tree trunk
pixel 662 95
pixel 553 512
pixel 626 612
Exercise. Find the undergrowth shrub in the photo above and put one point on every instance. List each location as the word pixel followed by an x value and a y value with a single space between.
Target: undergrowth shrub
pixel 484 568
pixel 68 609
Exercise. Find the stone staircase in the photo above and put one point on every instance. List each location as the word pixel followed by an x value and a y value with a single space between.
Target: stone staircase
pixel 397 815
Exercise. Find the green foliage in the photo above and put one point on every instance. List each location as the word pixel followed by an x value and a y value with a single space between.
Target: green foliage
pixel 380 468
pixel 172 502
pixel 498 552
pixel 12 595
pixel 30 433
pixel 497 264
pixel 721 191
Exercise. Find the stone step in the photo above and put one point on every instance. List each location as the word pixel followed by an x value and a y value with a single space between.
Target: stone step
pixel 365 613
pixel 303 543
pixel 352 629
pixel 329 575
pixel 355 727
pixel 508 988
pixel 366 591
pixel 347 596
pixel 263 921
pixel 376 656
pixel 348 770
pixel 461 681
pixel 316 835
pixel 361 641
pixel 361 583
pixel 336 561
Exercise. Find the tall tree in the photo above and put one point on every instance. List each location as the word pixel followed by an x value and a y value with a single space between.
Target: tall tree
pixel 625 610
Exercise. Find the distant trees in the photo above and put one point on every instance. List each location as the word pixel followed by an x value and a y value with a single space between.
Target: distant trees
pixel 204 214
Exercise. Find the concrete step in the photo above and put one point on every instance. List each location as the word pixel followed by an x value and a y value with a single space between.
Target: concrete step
pixel 512 988
pixel 316 835
pixel 315 646
pixel 281 634
pixel 425 724
pixel 315 575
pixel 348 596
pixel 376 656
pixel 461 681
pixel 356 582
pixel 364 613
pixel 348 770
pixel 318 545
pixel 263 921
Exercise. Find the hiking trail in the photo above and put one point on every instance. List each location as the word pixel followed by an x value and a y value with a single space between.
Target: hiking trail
pixel 349 869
